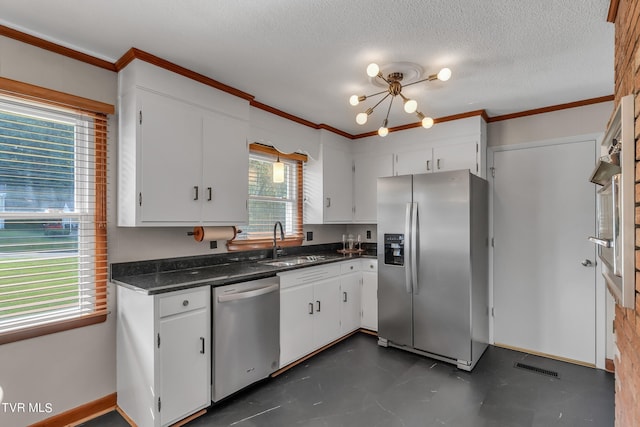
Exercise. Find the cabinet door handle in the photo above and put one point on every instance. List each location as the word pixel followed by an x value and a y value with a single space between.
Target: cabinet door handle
pixel 195 189
pixel 344 297
pixel 209 190
pixel 428 165
pixel 310 308
pixel 202 342
pixel 438 164
pixel 328 202
pixel 318 310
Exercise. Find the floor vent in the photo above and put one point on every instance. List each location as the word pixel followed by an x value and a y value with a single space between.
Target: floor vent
pixel 537 370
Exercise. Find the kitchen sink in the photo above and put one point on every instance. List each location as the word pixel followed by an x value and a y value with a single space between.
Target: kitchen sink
pixel 288 262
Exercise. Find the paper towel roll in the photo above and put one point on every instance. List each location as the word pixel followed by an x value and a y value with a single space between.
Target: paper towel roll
pixel 214 233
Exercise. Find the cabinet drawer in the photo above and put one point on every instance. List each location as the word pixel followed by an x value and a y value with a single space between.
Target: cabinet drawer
pixel 308 275
pixel 350 266
pixel 183 302
pixel 370 265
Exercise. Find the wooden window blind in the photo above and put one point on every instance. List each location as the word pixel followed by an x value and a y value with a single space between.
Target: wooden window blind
pixel 269 202
pixel 53 243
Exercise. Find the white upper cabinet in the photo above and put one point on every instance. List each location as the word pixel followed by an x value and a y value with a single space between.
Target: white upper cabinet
pixel 225 183
pixel 169 135
pixel 183 152
pixel 328 186
pixel 439 159
pixel 367 170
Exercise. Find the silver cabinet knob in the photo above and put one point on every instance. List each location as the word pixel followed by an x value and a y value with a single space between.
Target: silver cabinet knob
pixel 587 263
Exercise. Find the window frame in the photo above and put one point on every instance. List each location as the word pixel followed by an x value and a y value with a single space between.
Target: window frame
pixel 294 239
pixel 98 112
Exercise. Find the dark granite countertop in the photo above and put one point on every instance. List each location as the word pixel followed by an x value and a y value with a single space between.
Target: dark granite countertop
pixel 160 276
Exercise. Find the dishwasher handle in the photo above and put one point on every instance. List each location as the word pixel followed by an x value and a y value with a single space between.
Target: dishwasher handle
pixel 249 294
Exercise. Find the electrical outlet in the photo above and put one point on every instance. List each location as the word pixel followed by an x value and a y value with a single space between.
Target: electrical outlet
pixel 368 234
pixel 213 244
pixel 309 236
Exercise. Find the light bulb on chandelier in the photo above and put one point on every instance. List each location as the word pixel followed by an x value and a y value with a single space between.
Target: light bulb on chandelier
pixel 410 106
pixel 393 81
pixel 426 122
pixel 444 74
pixel 373 69
pixel 383 130
pixel 361 118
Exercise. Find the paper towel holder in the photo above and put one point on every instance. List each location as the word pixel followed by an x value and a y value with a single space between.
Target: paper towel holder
pixel 200 234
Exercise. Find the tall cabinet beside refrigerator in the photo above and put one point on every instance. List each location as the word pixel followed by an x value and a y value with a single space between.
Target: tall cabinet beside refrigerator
pixel 433 239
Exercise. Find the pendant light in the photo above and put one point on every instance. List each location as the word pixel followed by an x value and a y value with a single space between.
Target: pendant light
pixel 278 171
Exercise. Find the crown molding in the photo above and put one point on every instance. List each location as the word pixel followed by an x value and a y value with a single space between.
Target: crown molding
pixel 551 108
pixel 56 48
pixel 134 53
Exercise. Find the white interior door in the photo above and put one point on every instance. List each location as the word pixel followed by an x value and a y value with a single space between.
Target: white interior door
pixel 543 212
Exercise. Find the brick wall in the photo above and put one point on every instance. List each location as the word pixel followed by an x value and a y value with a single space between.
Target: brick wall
pixel 627 322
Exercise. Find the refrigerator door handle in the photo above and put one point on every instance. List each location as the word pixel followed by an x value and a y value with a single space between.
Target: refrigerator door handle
pixel 407 247
pixel 414 247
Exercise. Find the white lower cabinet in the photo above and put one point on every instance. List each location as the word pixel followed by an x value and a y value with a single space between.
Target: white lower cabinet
pixel 369 319
pixel 350 284
pixel 317 306
pixel 309 310
pixel 326 314
pixel 296 322
pixel 164 355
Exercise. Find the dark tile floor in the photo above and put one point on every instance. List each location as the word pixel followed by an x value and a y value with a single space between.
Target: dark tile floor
pixel 356 383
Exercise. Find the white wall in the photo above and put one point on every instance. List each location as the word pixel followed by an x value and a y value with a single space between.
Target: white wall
pixel 70 368
pixel 554 125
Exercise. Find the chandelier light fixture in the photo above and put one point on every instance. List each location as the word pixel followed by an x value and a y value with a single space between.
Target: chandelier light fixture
pixel 393 81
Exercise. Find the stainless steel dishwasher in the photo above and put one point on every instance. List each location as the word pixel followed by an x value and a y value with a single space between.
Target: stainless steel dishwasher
pixel 246 334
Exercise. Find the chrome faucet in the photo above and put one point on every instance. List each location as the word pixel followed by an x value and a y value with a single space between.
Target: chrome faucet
pixel 276 249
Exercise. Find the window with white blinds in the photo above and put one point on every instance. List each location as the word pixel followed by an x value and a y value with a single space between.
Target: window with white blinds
pixel 270 202
pixel 53 266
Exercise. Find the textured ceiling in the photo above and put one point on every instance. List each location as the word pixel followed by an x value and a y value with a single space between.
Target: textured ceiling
pixel 307 57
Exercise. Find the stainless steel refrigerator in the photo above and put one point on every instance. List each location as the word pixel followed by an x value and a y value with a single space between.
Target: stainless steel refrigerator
pixel 433 265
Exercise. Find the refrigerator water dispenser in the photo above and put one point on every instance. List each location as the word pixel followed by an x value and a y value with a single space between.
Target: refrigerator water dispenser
pixel 394 249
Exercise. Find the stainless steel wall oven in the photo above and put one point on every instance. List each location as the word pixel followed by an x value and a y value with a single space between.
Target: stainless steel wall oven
pixel 616 205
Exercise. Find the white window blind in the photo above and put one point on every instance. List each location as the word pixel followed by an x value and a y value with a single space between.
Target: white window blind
pixel 270 202
pixel 53 266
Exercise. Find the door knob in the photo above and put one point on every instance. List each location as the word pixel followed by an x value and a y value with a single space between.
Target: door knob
pixel 587 263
